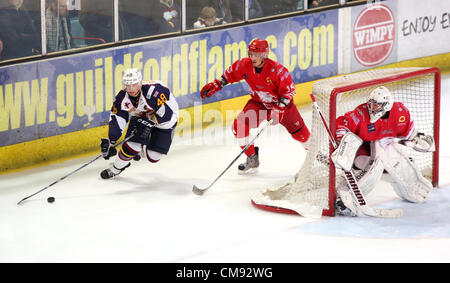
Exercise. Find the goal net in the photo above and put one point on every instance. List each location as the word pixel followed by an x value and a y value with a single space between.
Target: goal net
pixel 312 193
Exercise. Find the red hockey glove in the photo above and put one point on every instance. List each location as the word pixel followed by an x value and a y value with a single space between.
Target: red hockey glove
pixel 277 113
pixel 209 89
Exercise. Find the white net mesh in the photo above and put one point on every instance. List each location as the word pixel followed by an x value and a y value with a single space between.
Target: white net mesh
pixel 311 184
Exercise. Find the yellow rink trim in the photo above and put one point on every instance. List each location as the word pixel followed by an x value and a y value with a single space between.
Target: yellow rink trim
pixel 87 142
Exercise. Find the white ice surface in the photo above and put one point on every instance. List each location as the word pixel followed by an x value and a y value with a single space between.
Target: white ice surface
pixel 149 213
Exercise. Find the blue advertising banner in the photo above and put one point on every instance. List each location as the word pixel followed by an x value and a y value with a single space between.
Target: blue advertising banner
pixel 72 93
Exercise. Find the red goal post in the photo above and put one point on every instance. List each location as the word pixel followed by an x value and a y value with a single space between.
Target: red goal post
pixel 314 186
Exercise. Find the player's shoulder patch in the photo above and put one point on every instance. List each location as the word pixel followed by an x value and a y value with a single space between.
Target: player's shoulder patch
pixel 354 118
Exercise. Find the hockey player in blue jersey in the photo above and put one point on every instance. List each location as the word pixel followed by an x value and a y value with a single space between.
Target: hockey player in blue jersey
pixel 151 113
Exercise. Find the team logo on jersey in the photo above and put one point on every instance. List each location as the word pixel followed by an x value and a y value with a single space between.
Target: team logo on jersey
pixel 401 119
pixel 371 128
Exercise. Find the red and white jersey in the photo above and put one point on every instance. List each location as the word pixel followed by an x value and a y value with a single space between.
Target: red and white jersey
pixel 397 125
pixel 268 86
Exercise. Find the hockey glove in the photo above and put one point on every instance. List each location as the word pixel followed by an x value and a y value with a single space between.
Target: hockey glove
pixel 277 113
pixel 345 153
pixel 211 88
pixel 420 142
pixel 107 148
pixel 141 126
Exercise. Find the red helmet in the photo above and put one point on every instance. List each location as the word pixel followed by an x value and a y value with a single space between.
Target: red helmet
pixel 259 46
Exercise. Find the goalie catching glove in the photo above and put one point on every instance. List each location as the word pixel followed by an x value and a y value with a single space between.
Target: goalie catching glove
pixel 420 142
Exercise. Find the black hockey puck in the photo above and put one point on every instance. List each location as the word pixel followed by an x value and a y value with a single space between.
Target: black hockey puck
pixel 51 199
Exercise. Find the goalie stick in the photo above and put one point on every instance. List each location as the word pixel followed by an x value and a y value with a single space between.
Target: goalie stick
pixel 74 171
pixel 199 191
pixel 353 184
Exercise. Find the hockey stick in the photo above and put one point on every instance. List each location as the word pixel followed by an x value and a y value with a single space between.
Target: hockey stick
pixel 76 170
pixel 353 184
pixel 199 191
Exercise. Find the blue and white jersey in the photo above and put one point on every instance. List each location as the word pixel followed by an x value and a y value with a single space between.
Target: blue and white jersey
pixel 155 102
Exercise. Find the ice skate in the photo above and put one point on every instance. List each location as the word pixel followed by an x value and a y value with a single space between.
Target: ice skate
pixel 112 172
pixel 251 165
pixel 342 210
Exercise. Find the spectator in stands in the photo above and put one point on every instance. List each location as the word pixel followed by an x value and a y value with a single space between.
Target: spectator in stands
pixel 208 18
pixel 19 35
pixel 223 9
pixel 229 11
pixel 171 13
pixel 33 8
pixel 271 7
pixel 321 3
pixel 313 4
pixel 141 18
pixel 136 18
pixel 58 28
pixel 254 9
pixel 193 10
pixel 96 18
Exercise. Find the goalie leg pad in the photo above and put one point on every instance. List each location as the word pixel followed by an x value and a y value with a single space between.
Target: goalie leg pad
pixel 370 175
pixel 371 172
pixel 408 181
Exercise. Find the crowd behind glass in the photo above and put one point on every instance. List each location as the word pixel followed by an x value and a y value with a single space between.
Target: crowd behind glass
pixel 68 24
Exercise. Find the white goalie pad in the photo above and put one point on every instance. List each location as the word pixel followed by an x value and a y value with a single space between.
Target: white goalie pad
pixel 344 155
pixel 371 170
pixel 369 176
pixel 407 180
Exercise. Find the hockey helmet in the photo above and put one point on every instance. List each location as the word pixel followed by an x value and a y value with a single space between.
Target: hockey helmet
pixel 380 101
pixel 132 76
pixel 259 46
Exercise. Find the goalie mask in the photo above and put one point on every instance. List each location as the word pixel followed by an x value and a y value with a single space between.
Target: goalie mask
pixel 380 101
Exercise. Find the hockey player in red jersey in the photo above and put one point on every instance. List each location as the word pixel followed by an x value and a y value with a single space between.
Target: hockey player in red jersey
pixel 372 140
pixel 377 121
pixel 272 92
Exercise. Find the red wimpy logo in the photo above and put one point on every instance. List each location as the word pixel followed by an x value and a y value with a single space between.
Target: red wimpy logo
pixel 373 35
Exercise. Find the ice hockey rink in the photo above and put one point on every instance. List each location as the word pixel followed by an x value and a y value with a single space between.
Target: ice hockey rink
pixel 149 213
